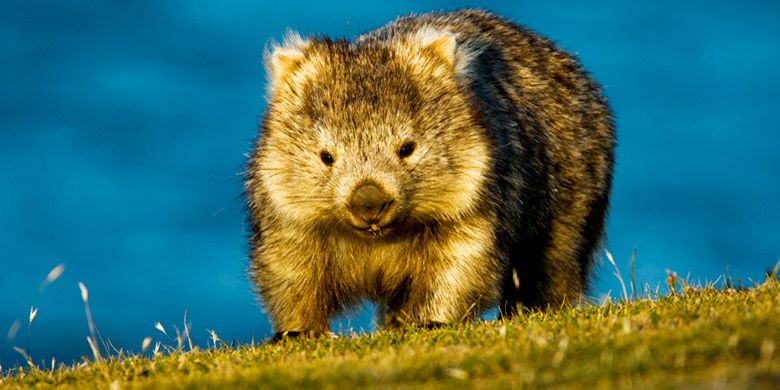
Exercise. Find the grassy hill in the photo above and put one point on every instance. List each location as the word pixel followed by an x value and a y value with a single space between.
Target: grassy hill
pixel 698 336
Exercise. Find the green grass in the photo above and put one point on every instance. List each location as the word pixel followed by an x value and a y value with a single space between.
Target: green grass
pixel 700 336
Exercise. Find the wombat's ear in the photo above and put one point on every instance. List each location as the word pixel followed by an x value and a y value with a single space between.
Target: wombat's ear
pixel 283 58
pixel 441 43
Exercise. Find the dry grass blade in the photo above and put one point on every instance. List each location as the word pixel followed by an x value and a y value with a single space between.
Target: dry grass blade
pixel 13 330
pixel 618 276
pixel 92 339
pixel 53 275
pixel 145 344
pixel 179 339
pixel 632 275
pixel 24 354
pixel 84 292
pixel 95 351
pixel 159 326
pixel 186 332
pixel 214 338
pixel 672 278
pixel 33 313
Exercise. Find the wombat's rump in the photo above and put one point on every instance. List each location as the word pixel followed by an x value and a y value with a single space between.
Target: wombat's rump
pixel 441 165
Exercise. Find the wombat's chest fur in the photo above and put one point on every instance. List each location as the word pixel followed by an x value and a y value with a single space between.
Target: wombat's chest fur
pixel 441 165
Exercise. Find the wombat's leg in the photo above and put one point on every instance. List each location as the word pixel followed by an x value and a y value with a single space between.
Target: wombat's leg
pixel 296 306
pixel 455 282
pixel 564 265
pixel 298 296
pixel 450 295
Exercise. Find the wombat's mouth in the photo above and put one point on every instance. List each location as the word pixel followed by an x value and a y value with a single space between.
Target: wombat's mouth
pixel 373 230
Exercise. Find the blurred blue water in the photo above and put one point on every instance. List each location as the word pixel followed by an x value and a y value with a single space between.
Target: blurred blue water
pixel 122 129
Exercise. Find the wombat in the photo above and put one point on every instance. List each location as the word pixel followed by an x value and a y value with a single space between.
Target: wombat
pixel 440 166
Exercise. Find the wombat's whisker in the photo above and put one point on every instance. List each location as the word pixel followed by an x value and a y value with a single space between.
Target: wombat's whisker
pixel 504 146
pixel 422 158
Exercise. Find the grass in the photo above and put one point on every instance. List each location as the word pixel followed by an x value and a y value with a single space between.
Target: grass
pixel 702 337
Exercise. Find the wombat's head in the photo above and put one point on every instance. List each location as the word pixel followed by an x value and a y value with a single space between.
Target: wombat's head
pixel 369 136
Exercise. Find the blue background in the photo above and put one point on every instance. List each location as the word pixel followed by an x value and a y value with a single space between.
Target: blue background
pixel 123 129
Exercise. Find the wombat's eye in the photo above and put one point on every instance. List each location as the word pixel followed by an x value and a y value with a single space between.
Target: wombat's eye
pixel 326 158
pixel 406 149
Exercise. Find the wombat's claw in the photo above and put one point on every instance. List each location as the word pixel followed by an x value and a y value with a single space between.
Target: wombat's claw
pixel 281 336
pixel 432 325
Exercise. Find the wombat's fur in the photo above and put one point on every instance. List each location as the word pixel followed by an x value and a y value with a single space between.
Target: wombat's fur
pixel 441 165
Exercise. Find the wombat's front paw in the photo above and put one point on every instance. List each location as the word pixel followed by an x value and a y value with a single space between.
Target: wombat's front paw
pixel 431 325
pixel 295 334
pixel 280 336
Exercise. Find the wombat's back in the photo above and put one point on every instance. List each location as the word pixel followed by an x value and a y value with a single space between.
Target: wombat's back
pixel 552 150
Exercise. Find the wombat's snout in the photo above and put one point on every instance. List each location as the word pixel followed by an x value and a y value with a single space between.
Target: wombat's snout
pixel 370 204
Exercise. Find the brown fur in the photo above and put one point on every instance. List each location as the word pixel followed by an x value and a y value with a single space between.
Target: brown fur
pixel 501 203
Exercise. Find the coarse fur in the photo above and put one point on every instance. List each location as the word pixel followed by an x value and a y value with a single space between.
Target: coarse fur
pixel 501 201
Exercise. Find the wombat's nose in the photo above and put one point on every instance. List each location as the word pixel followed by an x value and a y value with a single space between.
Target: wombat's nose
pixel 369 203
